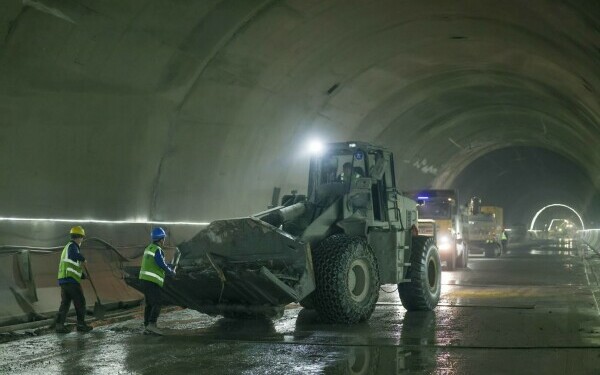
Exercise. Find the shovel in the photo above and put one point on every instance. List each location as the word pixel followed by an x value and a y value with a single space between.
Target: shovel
pixel 99 310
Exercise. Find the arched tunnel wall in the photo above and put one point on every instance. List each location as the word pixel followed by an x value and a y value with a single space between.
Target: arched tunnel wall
pixel 192 111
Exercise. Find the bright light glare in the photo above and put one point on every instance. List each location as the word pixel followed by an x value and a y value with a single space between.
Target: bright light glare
pixel 316 147
pixel 444 238
pixel 97 221
pixel 443 242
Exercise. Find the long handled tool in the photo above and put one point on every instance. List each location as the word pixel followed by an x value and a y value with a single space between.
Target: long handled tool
pixel 99 309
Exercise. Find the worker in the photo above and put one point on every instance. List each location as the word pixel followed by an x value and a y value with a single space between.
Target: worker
pixel 70 274
pixel 152 275
pixel 504 239
pixel 347 172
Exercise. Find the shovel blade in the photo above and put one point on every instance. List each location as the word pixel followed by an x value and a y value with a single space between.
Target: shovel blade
pixel 99 311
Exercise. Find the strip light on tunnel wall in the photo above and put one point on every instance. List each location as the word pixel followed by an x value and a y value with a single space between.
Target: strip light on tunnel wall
pixel 555 205
pixel 95 221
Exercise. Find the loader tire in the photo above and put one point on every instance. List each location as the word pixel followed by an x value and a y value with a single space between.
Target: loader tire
pixel 347 279
pixel 308 302
pixel 425 274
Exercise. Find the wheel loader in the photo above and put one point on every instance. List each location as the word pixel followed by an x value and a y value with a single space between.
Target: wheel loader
pixel 329 250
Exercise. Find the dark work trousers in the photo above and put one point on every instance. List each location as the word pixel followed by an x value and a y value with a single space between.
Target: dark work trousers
pixel 153 302
pixel 71 292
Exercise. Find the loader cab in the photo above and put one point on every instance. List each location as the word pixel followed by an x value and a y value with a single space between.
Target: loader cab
pixel 359 173
pixel 334 171
pixel 381 171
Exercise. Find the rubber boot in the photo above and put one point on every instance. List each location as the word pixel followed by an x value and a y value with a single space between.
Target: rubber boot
pixel 84 328
pixel 60 328
pixel 154 329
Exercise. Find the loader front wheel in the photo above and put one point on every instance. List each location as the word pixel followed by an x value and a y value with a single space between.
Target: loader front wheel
pixel 423 290
pixel 347 279
pixel 308 302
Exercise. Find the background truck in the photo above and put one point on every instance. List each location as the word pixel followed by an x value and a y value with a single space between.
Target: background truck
pixel 330 250
pixel 441 207
pixel 483 226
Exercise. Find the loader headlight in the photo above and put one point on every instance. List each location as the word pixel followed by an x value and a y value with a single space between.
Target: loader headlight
pixel 316 147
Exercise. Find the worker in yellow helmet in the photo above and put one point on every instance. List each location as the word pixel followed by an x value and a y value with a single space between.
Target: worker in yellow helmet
pixel 70 273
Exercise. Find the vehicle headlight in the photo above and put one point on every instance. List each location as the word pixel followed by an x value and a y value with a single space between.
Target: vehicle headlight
pixel 444 243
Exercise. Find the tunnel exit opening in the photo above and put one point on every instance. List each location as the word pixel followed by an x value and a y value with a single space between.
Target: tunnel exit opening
pixel 532 226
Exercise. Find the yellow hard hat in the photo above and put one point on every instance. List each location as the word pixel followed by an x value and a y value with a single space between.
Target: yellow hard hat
pixel 78 230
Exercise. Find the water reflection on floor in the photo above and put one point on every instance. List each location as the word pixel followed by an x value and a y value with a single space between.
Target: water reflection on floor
pixel 523 313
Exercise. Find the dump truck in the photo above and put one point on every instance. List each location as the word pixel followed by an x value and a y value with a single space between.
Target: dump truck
pixel 441 207
pixel 483 226
pixel 329 250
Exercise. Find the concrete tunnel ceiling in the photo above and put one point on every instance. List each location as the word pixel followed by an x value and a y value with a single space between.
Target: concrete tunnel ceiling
pixel 173 110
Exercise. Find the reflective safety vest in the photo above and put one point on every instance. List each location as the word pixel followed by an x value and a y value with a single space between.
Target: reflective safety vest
pixel 504 236
pixel 68 267
pixel 150 271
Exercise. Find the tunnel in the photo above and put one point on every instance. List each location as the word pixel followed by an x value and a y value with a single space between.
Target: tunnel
pixel 191 112
pixel 122 114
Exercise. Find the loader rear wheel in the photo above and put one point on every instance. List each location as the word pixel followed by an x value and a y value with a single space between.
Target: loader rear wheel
pixel 347 279
pixel 425 273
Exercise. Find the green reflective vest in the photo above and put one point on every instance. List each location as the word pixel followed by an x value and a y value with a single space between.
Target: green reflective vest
pixel 150 271
pixel 68 267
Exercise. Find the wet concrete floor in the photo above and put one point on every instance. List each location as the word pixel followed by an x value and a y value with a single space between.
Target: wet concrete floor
pixel 532 311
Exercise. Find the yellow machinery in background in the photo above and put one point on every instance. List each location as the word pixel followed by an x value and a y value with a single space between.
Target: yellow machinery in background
pixel 439 216
pixel 483 228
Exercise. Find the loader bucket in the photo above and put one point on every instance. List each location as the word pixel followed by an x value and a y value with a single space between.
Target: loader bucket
pixel 238 266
